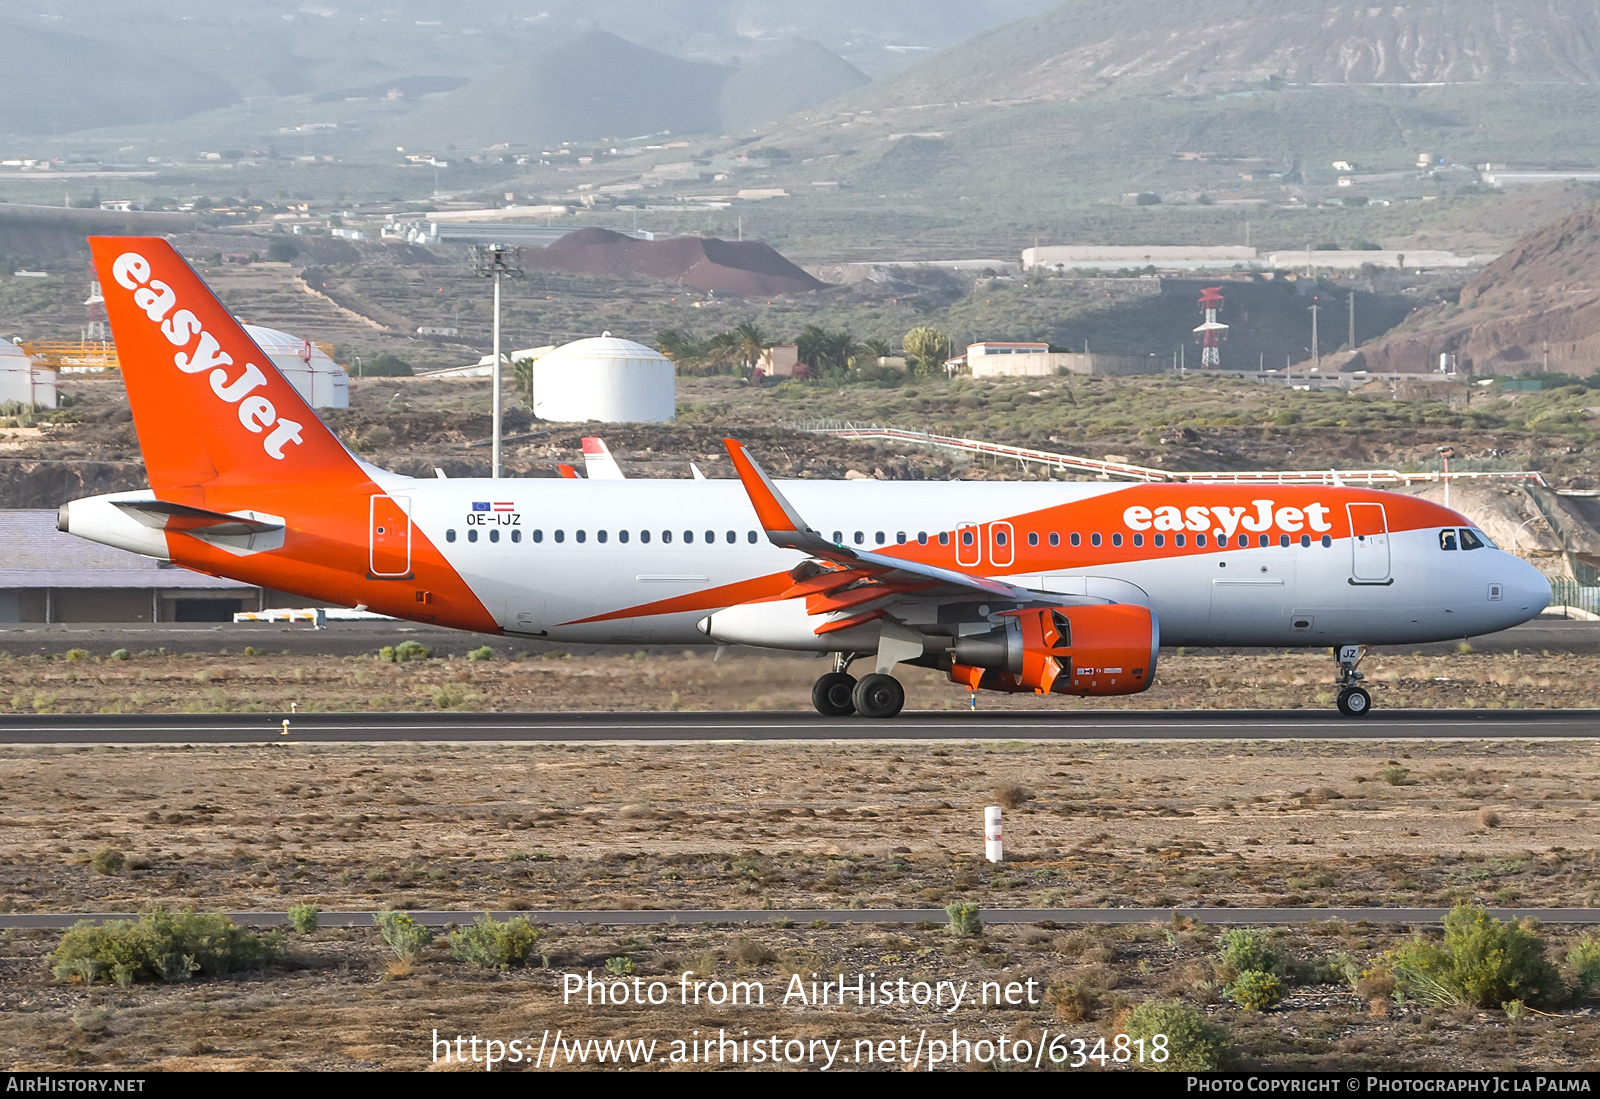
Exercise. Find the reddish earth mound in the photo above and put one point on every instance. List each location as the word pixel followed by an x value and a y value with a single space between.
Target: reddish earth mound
pixel 746 268
pixel 1544 292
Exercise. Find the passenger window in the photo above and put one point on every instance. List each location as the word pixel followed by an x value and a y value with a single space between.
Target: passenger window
pixel 732 538
pixel 599 535
pixel 688 536
pixel 1327 541
pixel 561 536
pixel 879 538
pixel 1138 539
pixel 1033 538
pixel 944 538
pixel 1283 541
pixel 1469 540
pixel 449 536
pixel 1305 541
pixel 711 537
pixel 516 535
pixel 1094 539
pixel 1244 541
pixel 1447 539
pixel 1200 540
pixel 900 538
pixel 922 537
pixel 750 536
pixel 1055 539
pixel 838 537
pixel 1116 539
pixel 1180 539
pixel 999 537
pixel 538 535
pixel 622 536
pixel 581 535
pixel 1076 540
pixel 1265 541
pixel 644 536
pixel 472 534
pixel 494 536
pixel 1161 539
pixel 666 536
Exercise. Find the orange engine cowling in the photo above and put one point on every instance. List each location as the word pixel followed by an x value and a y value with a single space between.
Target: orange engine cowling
pixel 1106 649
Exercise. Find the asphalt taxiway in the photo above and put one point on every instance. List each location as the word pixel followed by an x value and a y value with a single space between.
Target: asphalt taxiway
pixel 580 728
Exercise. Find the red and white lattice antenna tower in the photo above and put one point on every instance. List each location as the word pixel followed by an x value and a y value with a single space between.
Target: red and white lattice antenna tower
pixel 1211 331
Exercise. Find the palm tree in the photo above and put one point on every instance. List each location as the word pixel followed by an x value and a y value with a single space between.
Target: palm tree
pixel 752 342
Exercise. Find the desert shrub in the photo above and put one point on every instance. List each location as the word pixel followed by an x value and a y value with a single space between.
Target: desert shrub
pixel 160 946
pixel 1395 775
pixel 77 654
pixel 1244 949
pixel 1255 990
pixel 303 917
pixel 749 952
pixel 1482 962
pixel 1584 958
pixel 483 652
pixel 402 934
pixel 1074 1001
pixel 1012 795
pixel 120 654
pixel 1192 1044
pixel 406 650
pixel 491 944
pixel 1488 817
pixel 107 860
pixel 385 365
pixel 622 967
pixel 964 919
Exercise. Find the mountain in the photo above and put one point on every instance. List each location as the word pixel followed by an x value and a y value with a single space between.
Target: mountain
pixel 1083 47
pixel 747 268
pixel 592 86
pixel 1540 298
pixel 61 81
pixel 772 87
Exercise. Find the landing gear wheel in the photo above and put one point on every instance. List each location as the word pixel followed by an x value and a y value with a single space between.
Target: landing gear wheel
pixel 878 696
pixel 831 694
pixel 1355 702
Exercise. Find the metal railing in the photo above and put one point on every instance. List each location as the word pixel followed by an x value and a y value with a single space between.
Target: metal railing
pixel 1573 600
pixel 1131 472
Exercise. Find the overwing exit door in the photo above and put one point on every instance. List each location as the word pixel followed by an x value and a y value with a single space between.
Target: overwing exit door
pixel 1369 544
pixel 389 536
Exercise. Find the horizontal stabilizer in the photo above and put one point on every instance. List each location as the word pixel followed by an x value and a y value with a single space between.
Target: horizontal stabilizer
pixel 183 519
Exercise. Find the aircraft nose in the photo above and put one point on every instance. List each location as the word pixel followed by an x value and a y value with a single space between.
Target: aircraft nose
pixel 1528 590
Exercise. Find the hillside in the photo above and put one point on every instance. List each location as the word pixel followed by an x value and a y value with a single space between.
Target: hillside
pixel 732 267
pixel 769 88
pixel 1087 46
pixel 1544 294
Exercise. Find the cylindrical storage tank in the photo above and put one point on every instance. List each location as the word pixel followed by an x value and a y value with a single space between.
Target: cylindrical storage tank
pixel 321 381
pixel 606 379
pixel 22 381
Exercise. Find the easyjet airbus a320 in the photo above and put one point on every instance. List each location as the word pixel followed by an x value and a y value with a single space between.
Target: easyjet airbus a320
pixel 1050 588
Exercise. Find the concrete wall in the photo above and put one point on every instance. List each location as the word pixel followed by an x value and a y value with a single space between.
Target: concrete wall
pixel 1039 366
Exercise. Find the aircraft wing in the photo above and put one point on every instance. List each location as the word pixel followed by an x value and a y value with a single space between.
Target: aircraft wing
pixel 847 577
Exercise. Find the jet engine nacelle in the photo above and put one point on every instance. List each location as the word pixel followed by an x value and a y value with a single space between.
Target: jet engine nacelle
pixel 1107 649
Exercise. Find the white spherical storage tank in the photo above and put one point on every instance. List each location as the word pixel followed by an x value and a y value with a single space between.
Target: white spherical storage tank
pixel 606 379
pixel 320 380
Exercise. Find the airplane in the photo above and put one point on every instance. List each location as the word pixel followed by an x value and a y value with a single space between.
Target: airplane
pixel 1053 588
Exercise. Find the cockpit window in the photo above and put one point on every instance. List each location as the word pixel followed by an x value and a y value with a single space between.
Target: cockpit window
pixel 1447 539
pixel 1470 539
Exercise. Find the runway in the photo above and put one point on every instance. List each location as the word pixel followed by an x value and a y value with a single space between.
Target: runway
pixel 644 917
pixel 602 728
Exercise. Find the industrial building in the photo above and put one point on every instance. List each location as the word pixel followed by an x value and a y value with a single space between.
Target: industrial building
pixel 606 379
pixel 1115 257
pixel 23 381
pixel 48 576
pixel 1031 360
pixel 310 369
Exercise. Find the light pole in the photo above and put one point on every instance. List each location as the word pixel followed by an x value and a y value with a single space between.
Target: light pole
pixel 1445 454
pixel 493 261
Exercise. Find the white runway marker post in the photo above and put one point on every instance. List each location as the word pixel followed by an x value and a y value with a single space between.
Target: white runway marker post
pixel 993 846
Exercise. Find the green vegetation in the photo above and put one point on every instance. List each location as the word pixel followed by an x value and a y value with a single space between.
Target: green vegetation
pixel 402 934
pixel 491 944
pixel 406 650
pixel 120 654
pixel 624 967
pixel 1256 990
pixel 1482 962
pixel 1192 1045
pixel 303 917
pixel 1244 950
pixel 1584 958
pixel 107 860
pixel 964 919
pixel 385 365
pixel 160 946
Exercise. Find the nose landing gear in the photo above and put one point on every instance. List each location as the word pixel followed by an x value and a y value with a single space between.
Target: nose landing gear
pixel 1354 701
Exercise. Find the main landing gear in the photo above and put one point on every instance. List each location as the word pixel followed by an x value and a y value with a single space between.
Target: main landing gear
pixel 840 694
pixel 1354 701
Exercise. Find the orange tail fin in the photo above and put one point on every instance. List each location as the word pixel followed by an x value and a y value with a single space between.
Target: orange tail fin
pixel 210 408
